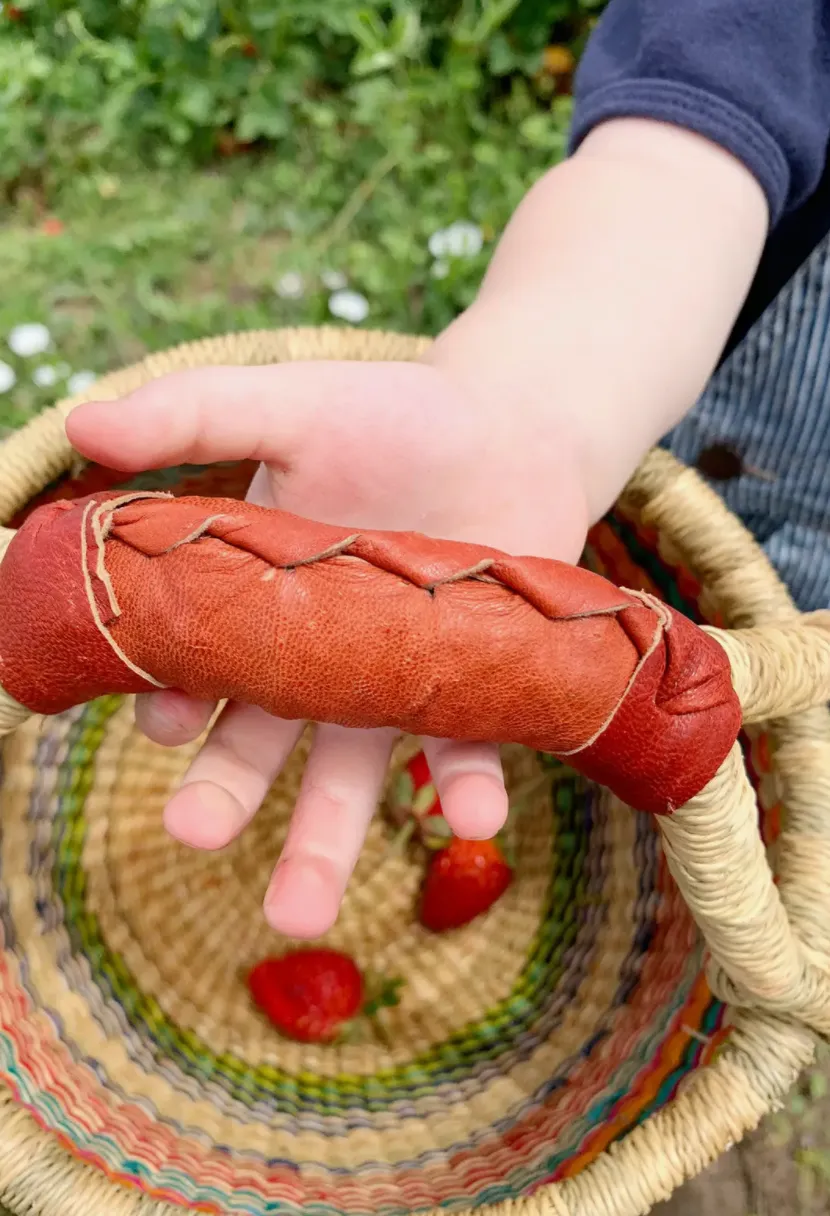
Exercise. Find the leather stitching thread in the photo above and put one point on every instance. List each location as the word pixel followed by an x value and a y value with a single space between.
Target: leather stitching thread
pixel 99 517
pixel 476 573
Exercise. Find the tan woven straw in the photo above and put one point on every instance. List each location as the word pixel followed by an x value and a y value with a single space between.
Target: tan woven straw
pixel 566 1054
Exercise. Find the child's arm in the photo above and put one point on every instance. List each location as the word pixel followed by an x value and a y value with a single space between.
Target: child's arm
pixel 752 76
pixel 604 309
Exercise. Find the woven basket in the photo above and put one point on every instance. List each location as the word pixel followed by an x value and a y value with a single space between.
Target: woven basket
pixel 577 1051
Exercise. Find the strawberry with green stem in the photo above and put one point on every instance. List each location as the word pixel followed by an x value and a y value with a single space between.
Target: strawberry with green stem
pixel 415 808
pixel 320 995
pixel 464 877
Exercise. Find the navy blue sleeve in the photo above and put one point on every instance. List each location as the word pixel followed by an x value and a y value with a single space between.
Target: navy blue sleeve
pixel 751 75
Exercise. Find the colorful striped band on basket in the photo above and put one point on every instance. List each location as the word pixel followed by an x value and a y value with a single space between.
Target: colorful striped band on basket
pixel 575 1016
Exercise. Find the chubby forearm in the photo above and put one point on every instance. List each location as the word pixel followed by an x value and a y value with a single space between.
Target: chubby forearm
pixel 613 291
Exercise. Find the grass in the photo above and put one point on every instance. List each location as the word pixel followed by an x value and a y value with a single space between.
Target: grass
pixel 145 262
pixel 141 263
pixel 119 265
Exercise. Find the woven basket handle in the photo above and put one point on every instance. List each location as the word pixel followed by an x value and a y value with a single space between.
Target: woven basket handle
pixel 123 593
pixel 130 592
pixel 780 669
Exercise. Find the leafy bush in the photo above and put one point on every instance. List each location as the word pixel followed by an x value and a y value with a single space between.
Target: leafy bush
pixel 369 128
pixel 96 84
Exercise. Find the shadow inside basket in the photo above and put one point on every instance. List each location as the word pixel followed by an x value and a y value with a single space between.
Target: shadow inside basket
pixel 524 1045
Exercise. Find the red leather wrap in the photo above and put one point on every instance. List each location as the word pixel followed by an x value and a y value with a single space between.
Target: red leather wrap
pixel 121 593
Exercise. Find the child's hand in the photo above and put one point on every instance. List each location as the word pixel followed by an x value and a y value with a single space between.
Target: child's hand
pixel 599 321
pixel 394 446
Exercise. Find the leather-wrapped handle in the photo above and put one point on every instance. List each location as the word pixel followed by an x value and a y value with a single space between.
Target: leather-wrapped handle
pixel 123 593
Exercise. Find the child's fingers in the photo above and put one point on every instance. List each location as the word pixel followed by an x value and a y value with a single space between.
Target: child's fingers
pixel 341 788
pixel 223 413
pixel 172 718
pixel 470 785
pixel 226 783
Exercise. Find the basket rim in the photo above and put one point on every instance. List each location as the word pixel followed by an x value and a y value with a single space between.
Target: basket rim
pixel 722 1101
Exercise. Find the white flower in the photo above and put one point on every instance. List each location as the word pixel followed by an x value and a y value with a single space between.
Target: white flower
pixel 7 378
pixel 463 239
pixel 349 306
pixel 440 269
pixel 30 339
pixel 333 280
pixel 79 382
pixel 438 243
pixel 290 286
pixel 45 375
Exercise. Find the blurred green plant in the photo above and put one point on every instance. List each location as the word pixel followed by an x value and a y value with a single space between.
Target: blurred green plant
pixel 93 84
pixel 174 168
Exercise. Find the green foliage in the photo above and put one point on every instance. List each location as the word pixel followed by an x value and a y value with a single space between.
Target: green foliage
pixel 92 83
pixel 167 162
pixel 148 258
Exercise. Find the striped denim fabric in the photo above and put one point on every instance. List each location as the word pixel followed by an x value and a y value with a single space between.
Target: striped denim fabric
pixel 770 404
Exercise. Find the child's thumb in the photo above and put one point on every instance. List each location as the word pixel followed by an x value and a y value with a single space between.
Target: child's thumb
pixel 217 413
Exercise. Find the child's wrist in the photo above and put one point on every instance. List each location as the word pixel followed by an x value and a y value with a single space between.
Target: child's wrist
pixel 613 290
pixel 530 396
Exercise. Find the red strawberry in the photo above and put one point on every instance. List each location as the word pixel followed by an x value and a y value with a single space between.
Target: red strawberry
pixel 463 880
pixel 313 995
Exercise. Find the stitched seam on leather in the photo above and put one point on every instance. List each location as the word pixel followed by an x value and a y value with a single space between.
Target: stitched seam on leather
pixel 99 510
pixel 473 573
pixel 651 601
pixel 655 642
pixel 196 534
pixel 477 573
pixel 664 623
pixel 101 573
pixel 324 555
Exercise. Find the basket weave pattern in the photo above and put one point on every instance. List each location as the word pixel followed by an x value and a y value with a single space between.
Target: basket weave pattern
pixel 574 1017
